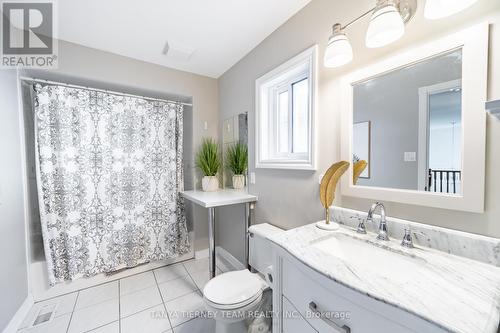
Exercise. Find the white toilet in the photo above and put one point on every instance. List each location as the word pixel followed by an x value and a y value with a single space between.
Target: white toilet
pixel 229 297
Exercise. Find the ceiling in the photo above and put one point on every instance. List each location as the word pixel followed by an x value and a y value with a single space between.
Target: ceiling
pixel 217 32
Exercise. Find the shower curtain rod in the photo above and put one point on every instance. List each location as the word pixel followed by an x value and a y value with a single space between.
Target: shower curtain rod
pixel 24 78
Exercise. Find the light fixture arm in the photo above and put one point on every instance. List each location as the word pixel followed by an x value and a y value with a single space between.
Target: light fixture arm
pixel 407 9
pixel 358 18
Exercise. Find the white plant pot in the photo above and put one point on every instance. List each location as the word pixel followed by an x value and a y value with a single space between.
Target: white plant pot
pixel 238 181
pixel 210 183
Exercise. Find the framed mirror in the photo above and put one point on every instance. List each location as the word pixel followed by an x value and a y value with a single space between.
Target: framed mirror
pixel 414 124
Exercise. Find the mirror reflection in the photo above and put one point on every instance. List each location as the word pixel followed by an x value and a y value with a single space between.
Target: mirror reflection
pixel 407 131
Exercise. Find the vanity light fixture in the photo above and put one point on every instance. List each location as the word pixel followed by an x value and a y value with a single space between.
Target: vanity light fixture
pixel 387 25
pixel 339 49
pixel 437 9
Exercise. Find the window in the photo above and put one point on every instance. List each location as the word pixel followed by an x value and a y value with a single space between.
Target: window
pixel 285 102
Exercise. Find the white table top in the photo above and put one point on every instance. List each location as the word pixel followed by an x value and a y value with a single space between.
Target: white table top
pixel 219 198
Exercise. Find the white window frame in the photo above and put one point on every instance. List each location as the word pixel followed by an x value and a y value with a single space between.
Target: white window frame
pixel 267 88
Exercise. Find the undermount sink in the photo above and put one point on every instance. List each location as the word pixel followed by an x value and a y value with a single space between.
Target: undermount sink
pixel 366 255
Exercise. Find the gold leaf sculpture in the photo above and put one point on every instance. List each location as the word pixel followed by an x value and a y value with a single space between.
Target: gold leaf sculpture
pixel 358 169
pixel 329 184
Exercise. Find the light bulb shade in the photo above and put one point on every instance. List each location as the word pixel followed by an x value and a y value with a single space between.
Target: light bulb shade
pixel 338 52
pixel 386 26
pixel 437 9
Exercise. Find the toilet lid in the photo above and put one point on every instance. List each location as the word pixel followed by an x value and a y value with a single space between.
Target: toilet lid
pixel 234 288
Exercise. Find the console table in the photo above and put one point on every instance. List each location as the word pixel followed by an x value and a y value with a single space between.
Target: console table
pixel 221 198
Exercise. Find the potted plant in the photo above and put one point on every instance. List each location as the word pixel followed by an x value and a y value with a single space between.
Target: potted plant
pixel 237 162
pixel 208 160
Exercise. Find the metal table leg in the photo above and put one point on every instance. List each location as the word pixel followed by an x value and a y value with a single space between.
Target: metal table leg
pixel 249 207
pixel 247 217
pixel 211 241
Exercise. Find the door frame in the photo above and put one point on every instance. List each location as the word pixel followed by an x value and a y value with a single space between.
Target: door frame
pixel 424 94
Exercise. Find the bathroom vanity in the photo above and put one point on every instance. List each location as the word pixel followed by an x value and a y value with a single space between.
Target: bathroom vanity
pixel 342 281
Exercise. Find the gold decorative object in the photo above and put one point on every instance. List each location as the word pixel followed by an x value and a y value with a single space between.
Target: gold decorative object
pixel 358 169
pixel 327 189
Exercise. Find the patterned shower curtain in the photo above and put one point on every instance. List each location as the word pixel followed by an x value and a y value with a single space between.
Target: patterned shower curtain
pixel 109 171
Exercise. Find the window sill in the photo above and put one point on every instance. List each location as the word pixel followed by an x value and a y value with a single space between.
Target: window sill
pixel 291 165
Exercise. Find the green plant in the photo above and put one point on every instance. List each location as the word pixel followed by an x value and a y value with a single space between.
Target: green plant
pixel 237 158
pixel 208 159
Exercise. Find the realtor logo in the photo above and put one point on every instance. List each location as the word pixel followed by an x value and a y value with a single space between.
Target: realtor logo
pixel 27 34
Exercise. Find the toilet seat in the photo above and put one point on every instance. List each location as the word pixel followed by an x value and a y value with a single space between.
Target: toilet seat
pixel 234 290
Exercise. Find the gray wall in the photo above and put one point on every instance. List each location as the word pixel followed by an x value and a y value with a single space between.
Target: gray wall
pixel 13 276
pixel 290 198
pixel 391 103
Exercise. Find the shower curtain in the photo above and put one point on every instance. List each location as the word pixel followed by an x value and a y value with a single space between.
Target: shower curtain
pixel 109 172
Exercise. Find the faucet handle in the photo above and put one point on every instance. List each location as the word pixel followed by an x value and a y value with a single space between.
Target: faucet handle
pixel 361 227
pixel 407 239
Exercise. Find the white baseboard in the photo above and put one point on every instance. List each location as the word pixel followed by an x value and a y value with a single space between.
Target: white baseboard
pixel 221 253
pixel 20 314
pixel 201 254
pixel 229 258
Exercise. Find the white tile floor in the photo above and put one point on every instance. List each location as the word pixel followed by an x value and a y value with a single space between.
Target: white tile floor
pixel 166 299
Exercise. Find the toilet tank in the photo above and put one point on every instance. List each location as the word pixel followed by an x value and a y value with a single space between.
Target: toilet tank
pixel 260 249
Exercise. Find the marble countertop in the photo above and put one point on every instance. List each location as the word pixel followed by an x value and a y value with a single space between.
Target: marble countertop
pixel 219 198
pixel 455 293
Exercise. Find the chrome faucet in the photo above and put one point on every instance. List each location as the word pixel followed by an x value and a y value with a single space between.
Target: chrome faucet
pixel 382 228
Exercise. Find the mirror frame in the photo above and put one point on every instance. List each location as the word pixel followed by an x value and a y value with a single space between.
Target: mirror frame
pixel 474 44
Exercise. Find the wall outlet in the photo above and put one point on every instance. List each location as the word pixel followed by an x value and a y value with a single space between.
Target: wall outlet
pixel 410 156
pixel 205 125
pixel 252 177
pixel 320 178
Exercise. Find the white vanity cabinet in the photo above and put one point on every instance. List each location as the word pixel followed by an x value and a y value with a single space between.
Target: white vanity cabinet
pixel 305 300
